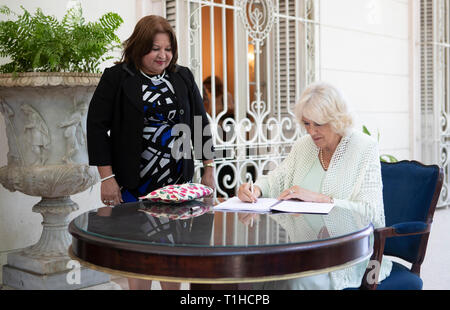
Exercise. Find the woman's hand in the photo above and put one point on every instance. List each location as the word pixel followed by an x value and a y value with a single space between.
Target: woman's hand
pixel 104 211
pixel 297 192
pixel 110 192
pixel 208 177
pixel 245 193
pixel 248 218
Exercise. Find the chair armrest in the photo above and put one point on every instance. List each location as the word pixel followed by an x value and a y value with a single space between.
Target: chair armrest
pixel 370 278
pixel 381 234
pixel 409 228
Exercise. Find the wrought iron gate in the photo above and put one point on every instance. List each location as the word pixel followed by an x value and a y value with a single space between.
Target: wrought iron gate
pixel 435 87
pixel 259 55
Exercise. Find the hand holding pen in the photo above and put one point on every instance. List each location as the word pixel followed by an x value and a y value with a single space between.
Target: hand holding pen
pixel 252 190
pixel 248 192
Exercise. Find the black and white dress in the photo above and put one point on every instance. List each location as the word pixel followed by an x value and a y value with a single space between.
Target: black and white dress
pixel 158 167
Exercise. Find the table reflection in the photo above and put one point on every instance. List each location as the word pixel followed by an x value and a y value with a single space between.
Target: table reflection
pixel 195 223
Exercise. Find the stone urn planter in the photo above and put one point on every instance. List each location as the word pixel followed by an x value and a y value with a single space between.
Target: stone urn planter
pixel 45 116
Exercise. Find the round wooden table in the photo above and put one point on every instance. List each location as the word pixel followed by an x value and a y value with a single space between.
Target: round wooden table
pixel 191 242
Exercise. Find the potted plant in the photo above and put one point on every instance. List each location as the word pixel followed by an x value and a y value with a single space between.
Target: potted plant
pixel 383 157
pixel 41 43
pixel 45 92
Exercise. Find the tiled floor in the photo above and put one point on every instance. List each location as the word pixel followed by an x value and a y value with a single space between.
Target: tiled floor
pixel 435 269
pixel 436 266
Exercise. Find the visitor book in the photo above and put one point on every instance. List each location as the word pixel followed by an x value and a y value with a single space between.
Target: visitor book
pixel 272 204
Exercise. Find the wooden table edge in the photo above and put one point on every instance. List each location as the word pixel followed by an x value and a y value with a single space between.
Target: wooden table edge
pixel 126 274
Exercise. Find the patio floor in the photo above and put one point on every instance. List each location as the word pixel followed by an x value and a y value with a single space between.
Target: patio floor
pixel 436 266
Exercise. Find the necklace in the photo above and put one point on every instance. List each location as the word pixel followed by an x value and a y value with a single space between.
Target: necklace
pixel 321 160
pixel 155 78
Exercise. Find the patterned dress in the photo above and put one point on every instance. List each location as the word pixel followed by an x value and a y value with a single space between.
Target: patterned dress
pixel 158 167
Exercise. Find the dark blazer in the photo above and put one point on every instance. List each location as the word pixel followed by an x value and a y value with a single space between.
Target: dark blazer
pixel 117 107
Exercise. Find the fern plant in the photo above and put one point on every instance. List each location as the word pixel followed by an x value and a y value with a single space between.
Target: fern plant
pixel 41 43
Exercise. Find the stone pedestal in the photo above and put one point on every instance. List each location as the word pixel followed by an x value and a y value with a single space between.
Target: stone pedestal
pixel 46 264
pixel 45 115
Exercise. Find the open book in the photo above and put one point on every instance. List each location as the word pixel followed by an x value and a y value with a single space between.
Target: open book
pixel 272 204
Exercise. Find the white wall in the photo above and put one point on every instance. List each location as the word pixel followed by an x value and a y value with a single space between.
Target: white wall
pixel 364 51
pixel 19 226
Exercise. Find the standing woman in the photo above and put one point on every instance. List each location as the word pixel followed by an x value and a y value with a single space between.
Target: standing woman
pixel 132 119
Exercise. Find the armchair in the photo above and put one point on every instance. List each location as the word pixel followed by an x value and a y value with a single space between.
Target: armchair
pixel 410 193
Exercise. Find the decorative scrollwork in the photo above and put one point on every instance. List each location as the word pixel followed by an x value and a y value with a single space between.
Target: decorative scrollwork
pixel 444 156
pixel 258 18
pixel 262 128
pixel 443 198
pixel 444 122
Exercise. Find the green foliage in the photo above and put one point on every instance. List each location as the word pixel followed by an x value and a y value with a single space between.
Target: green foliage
pixel 41 43
pixel 383 157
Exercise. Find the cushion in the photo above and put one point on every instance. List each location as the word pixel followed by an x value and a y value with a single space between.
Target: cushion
pixel 178 193
pixel 410 227
pixel 187 210
pixel 401 278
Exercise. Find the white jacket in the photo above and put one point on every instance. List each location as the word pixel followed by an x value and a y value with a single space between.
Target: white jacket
pixel 353 179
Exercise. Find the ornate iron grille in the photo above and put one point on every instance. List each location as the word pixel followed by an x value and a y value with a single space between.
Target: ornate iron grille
pixel 259 55
pixel 435 87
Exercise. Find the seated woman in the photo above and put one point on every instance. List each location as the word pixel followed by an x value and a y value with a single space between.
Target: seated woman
pixel 332 163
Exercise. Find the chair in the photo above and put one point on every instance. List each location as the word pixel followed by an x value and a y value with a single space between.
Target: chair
pixel 410 194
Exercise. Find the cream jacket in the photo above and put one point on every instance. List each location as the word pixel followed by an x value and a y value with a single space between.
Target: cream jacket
pixel 353 179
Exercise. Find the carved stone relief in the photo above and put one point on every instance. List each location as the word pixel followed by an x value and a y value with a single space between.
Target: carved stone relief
pixel 38 135
pixel 14 155
pixel 45 116
pixel 73 131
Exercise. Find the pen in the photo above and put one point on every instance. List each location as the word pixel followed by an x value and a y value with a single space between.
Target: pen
pixel 252 189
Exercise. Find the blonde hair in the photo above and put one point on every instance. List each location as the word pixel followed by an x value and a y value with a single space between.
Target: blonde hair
pixel 322 103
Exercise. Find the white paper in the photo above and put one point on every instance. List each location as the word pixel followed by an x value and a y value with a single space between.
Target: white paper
pixel 235 204
pixel 268 204
pixel 303 207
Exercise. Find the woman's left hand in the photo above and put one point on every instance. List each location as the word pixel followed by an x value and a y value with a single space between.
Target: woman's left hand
pixel 297 192
pixel 208 177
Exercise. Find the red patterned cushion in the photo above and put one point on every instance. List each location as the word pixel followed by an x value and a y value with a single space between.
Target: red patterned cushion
pixel 175 212
pixel 179 193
